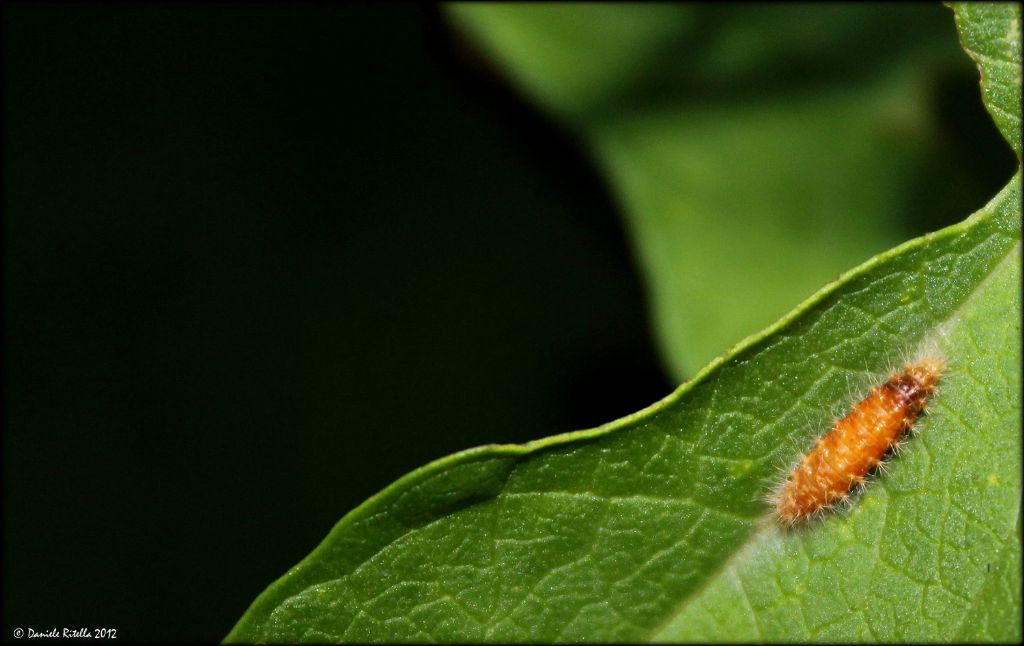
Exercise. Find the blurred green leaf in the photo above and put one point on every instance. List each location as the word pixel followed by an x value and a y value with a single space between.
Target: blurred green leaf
pixel 757 150
pixel 654 527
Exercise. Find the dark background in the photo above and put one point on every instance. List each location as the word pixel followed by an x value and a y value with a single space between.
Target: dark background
pixel 260 261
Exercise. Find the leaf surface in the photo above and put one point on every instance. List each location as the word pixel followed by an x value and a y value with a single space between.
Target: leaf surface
pixel 990 34
pixel 654 526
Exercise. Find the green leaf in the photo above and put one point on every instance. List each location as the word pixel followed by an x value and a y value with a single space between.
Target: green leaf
pixel 990 34
pixel 754 158
pixel 654 527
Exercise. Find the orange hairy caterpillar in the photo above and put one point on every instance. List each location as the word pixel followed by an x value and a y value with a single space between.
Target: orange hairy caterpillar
pixel 857 443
